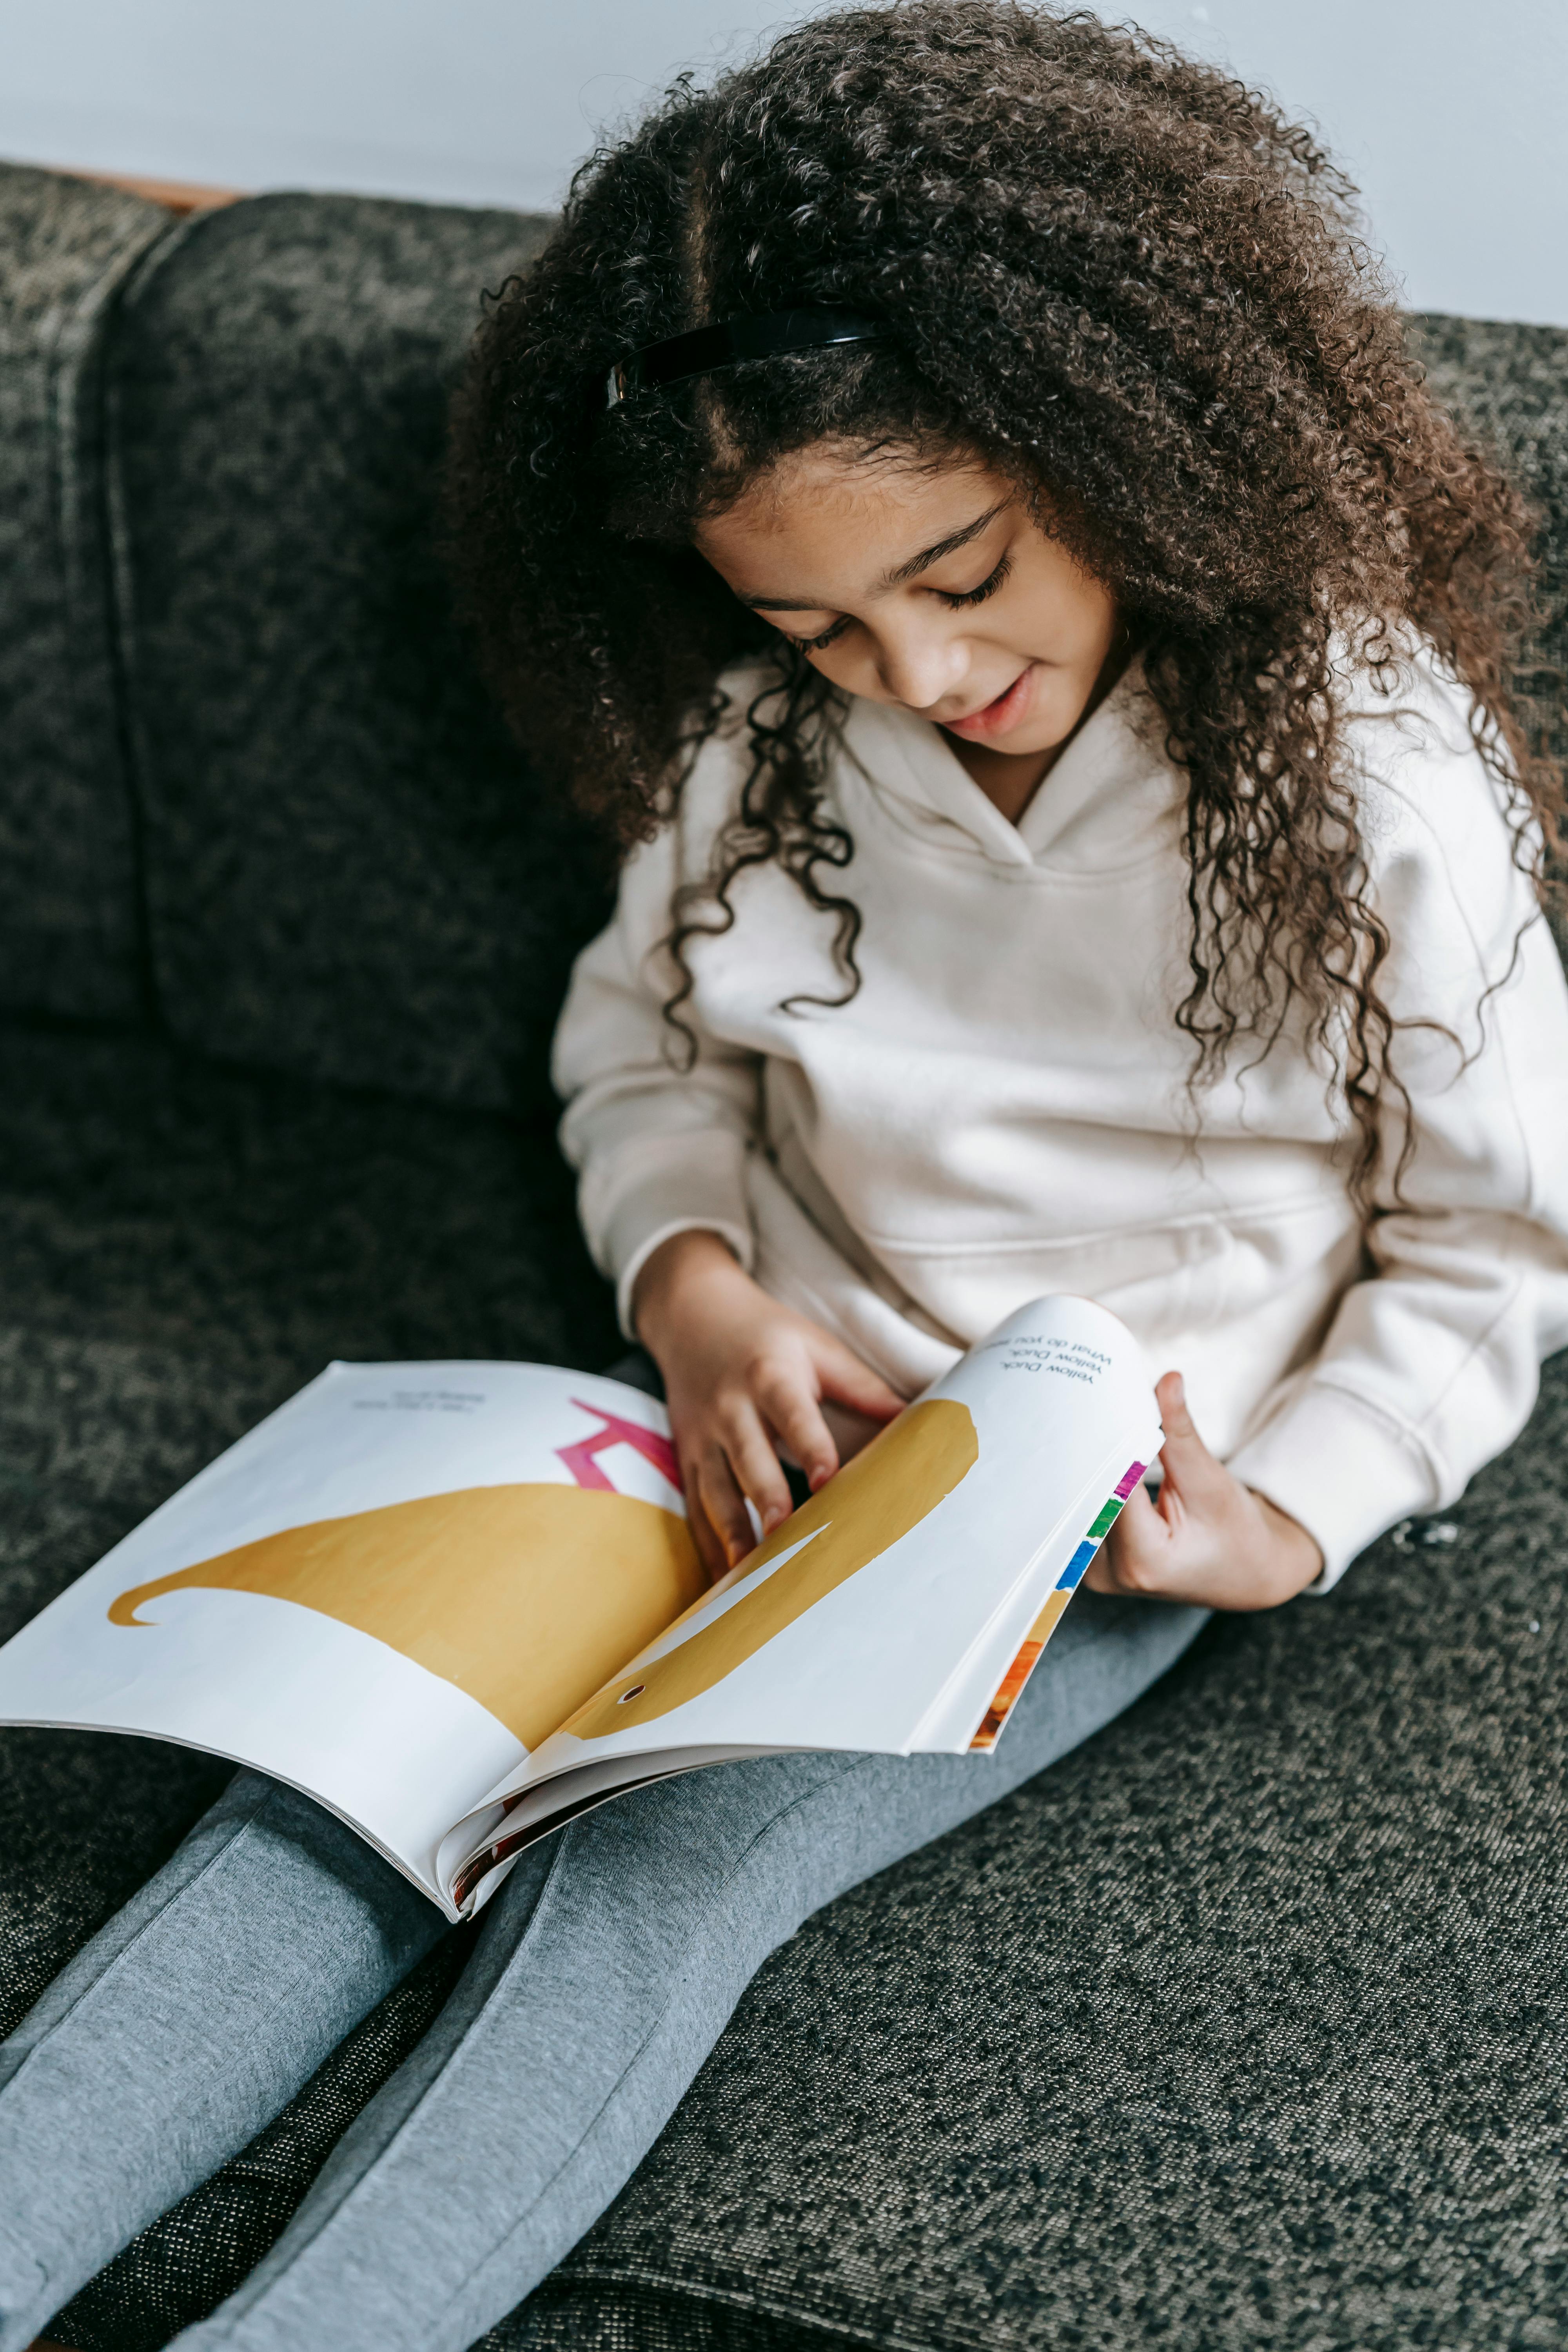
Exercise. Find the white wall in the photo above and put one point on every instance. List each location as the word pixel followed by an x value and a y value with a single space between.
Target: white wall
pixel 1452 114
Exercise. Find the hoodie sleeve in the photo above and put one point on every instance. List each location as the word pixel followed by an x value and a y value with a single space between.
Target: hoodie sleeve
pixel 1431 1364
pixel 659 1148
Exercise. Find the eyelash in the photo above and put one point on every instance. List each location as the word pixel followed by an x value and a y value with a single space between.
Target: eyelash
pixel 828 637
pixel 987 587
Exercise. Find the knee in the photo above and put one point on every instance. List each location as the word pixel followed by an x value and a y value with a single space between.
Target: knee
pixel 727 1858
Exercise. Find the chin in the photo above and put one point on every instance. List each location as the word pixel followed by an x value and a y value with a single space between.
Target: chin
pixel 1028 742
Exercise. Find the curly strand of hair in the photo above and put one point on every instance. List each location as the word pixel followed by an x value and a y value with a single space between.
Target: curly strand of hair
pixel 1282 916
pixel 777 821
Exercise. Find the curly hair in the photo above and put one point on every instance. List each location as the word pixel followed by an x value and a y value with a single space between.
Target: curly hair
pixel 1124 280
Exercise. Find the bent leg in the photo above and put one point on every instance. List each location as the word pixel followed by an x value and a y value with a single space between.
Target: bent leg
pixel 609 1963
pixel 185 2023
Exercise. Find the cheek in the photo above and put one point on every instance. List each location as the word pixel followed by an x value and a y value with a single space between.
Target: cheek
pixel 851 666
pixel 1075 613
pixel 1061 698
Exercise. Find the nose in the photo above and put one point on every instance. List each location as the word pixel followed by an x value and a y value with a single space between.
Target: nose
pixel 919 662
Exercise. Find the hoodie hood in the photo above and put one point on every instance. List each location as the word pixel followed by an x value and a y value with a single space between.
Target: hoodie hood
pixel 1111 801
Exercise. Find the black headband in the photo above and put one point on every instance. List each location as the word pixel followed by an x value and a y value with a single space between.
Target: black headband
pixel 706 348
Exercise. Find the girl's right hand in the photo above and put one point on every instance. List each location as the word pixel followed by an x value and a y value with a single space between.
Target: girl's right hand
pixel 742 1376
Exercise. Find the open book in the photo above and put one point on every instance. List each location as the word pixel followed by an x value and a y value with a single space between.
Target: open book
pixel 459 1603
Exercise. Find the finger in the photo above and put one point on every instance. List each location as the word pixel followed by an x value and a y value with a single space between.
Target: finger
pixel 795 1415
pixel 1187 1461
pixel 1105 1571
pixel 1136 1556
pixel 704 1534
pixel 1175 1422
pixel 1100 1575
pixel 844 1377
pixel 755 1466
pixel 724 1503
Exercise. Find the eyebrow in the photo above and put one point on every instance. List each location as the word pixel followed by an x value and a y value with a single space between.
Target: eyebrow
pixel 900 573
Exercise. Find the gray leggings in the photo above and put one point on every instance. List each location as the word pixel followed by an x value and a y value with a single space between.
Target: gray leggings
pixel 602 1976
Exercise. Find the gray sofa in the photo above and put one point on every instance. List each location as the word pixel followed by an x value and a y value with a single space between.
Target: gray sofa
pixel 1245 2027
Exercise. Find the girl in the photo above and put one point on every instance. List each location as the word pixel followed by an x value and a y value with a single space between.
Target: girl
pixel 955 500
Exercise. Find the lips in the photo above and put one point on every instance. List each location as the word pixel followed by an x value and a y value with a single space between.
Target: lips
pixel 996 717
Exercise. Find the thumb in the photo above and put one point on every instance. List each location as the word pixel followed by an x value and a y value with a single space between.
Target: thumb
pixel 1182 1452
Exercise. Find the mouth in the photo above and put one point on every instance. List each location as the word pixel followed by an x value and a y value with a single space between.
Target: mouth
pixel 999 717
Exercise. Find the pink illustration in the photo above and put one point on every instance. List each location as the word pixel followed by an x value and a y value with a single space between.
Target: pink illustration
pixel 580 1458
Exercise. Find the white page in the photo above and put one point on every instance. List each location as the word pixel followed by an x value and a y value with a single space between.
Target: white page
pixel 1060 1388
pixel 956 1716
pixel 353 1712
pixel 392 1591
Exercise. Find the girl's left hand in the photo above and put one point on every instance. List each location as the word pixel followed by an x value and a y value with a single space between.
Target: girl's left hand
pixel 1208 1540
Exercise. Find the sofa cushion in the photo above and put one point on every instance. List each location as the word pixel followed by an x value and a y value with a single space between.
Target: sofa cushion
pixel 1508 385
pixel 69 929
pixel 1243 2027
pixel 1240 2028
pixel 351 872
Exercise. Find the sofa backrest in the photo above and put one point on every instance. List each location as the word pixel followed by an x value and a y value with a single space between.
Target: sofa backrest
pixel 246 772
pixel 68 928
pixel 350 870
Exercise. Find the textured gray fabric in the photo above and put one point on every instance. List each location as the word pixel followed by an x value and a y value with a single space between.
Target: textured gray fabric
pixel 68 932
pixel 1242 2027
pixel 1508 385
pixel 350 871
pixel 184 1244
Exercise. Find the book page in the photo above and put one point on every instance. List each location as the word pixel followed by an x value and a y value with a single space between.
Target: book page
pixel 386 1594
pixel 905 1577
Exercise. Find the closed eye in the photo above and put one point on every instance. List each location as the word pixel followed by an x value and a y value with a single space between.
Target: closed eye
pixel 987 587
pixel 828 637
pixel 955 600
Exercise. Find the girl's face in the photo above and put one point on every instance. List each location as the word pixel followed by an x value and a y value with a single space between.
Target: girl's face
pixel 933 587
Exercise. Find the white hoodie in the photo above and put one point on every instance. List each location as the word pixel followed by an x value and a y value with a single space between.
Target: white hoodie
pixel 1002 1108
